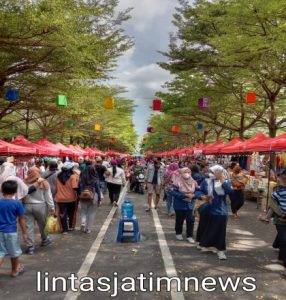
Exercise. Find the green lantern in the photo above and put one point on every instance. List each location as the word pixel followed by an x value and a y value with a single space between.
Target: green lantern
pixel 62 100
pixel 70 124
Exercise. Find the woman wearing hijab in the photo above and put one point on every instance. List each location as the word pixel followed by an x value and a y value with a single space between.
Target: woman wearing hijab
pixel 7 172
pixel 89 181
pixel 185 192
pixel 172 169
pixel 66 197
pixel 115 178
pixel 238 181
pixel 37 205
pixel 202 206
pixel 213 238
pixel 51 175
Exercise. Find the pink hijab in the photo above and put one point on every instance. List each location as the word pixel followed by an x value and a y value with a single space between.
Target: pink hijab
pixel 184 185
pixel 170 171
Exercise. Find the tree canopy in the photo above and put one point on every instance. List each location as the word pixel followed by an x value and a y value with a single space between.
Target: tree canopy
pixel 63 47
pixel 222 50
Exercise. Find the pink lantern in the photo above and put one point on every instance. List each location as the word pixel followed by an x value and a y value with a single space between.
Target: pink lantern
pixel 150 129
pixel 203 103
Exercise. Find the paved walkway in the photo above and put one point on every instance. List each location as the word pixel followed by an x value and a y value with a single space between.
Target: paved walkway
pixel 249 255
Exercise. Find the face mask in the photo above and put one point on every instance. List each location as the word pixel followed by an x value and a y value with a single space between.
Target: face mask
pixel 186 175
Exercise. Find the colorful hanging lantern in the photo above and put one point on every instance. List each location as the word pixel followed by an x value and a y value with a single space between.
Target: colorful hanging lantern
pixel 12 95
pixel 250 97
pixel 160 139
pixel 150 129
pixel 166 143
pixel 109 103
pixel 113 139
pixel 97 137
pixel 203 103
pixel 200 126
pixel 62 100
pixel 175 129
pixel 144 139
pixel 97 127
pixel 157 105
pixel 70 124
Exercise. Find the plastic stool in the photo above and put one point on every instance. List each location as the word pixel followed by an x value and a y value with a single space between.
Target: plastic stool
pixel 135 232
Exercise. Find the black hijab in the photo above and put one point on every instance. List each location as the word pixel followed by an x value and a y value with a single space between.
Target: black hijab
pixel 89 176
pixel 65 175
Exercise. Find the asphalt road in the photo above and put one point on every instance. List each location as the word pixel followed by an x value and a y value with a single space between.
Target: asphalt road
pixel 249 255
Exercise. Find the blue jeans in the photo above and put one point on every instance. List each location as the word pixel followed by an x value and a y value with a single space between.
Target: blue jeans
pixel 170 202
pixel 10 244
pixel 103 186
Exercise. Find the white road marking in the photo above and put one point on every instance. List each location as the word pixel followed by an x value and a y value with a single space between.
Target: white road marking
pixel 167 258
pixel 89 259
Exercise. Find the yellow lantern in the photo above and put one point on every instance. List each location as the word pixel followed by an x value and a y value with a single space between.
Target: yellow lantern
pixel 97 127
pixel 109 103
pixel 97 137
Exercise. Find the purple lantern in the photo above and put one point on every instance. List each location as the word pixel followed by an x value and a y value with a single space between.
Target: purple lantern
pixel 150 129
pixel 203 103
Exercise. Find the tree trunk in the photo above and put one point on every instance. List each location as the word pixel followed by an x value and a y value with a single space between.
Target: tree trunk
pixel 27 125
pixel 272 120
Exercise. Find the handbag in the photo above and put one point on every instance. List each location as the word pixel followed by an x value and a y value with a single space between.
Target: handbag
pixel 51 225
pixel 86 195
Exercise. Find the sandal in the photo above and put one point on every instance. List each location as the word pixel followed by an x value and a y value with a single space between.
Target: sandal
pixel 20 271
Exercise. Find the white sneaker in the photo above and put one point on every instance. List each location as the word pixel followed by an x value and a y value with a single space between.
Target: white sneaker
pixel 191 240
pixel 179 237
pixel 221 255
pixel 199 247
pixel 208 249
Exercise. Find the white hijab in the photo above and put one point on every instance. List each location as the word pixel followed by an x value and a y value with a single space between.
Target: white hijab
pixel 213 183
pixel 7 172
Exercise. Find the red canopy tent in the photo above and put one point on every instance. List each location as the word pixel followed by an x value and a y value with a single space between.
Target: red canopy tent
pixel 8 148
pixel 232 147
pixel 65 150
pixel 90 152
pixel 98 152
pixel 21 141
pixel 76 151
pixel 251 144
pixel 112 153
pixel 211 149
pixel 77 147
pixel 219 149
pixel 44 143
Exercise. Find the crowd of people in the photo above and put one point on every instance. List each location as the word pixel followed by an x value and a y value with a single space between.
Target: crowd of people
pixel 73 190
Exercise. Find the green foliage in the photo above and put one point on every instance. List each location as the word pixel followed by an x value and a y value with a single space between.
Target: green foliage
pixel 222 50
pixel 52 47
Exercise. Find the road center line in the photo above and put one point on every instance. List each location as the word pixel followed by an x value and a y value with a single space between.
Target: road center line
pixel 89 259
pixel 167 258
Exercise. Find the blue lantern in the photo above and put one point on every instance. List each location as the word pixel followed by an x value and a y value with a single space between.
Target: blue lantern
pixel 160 139
pixel 200 126
pixel 12 95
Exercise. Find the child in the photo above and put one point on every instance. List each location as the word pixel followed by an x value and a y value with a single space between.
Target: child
pixel 10 209
pixel 277 202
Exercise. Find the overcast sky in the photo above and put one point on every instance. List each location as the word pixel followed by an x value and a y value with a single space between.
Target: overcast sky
pixel 150 26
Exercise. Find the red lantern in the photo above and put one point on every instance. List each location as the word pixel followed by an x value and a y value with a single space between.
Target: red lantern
pixel 250 97
pixel 113 139
pixel 203 103
pixel 150 129
pixel 175 129
pixel 157 104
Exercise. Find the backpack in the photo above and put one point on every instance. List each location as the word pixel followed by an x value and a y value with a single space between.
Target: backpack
pixel 86 195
